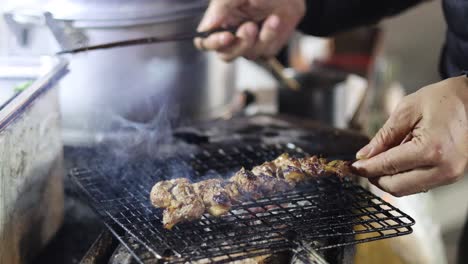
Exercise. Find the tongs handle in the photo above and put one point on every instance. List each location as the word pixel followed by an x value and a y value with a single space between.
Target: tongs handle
pixel 148 40
pixel 271 64
pixel 205 34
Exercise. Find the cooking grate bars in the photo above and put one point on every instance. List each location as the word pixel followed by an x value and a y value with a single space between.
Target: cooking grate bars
pixel 324 214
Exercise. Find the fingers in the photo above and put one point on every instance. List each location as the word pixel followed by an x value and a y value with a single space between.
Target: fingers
pixel 395 130
pixel 249 41
pixel 269 41
pixel 215 41
pixel 229 46
pixel 275 32
pixel 407 183
pixel 216 15
pixel 279 22
pixel 246 38
pixel 402 158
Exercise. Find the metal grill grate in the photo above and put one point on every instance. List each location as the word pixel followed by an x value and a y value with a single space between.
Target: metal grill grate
pixel 324 214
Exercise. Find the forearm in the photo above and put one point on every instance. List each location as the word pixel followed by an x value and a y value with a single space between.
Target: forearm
pixel 326 17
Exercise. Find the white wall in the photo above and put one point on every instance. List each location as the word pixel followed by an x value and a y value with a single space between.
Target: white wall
pixel 3 29
pixel 415 39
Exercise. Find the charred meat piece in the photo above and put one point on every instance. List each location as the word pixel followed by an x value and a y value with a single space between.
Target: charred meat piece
pixel 323 168
pixel 271 178
pixel 320 167
pixel 340 168
pixel 233 191
pixel 216 199
pixel 289 169
pixel 185 213
pixel 248 184
pixel 269 185
pixel 161 196
pixel 313 166
pixel 292 174
pixel 258 185
pixel 180 200
pixel 267 168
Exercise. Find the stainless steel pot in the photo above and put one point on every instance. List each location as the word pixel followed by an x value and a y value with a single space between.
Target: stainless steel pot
pixel 130 86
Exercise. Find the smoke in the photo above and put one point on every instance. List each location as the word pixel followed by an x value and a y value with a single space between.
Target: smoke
pixel 143 128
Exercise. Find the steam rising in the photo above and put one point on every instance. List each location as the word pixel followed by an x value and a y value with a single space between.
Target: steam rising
pixel 145 130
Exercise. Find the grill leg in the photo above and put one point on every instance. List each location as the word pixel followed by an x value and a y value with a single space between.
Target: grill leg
pixel 463 245
pixel 101 250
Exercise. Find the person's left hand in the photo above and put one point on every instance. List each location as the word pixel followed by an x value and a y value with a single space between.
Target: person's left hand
pixel 424 144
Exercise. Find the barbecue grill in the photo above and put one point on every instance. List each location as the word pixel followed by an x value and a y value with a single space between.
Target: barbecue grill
pixel 326 213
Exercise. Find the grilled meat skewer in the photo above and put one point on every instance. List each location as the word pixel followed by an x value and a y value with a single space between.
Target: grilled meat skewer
pixel 216 199
pixel 180 200
pixel 184 201
pixel 289 169
pixel 248 184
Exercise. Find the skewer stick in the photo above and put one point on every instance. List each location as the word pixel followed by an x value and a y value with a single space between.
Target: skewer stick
pixel 277 69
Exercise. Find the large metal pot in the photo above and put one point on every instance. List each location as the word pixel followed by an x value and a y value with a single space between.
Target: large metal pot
pixel 110 89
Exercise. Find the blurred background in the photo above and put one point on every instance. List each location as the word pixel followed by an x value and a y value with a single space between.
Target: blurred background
pixel 414 40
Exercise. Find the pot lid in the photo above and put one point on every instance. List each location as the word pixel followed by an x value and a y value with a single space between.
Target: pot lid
pixel 117 10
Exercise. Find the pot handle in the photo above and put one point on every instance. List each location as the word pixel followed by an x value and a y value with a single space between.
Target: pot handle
pixel 20 22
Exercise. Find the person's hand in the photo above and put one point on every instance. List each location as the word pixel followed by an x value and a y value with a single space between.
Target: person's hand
pixel 424 144
pixel 277 19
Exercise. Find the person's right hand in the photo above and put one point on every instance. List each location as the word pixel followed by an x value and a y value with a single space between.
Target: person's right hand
pixel 277 19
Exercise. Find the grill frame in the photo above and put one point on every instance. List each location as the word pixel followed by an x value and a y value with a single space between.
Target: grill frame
pixel 98 181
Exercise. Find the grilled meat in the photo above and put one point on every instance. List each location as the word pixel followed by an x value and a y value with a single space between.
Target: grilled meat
pixel 213 194
pixel 320 167
pixel 289 169
pixel 339 167
pixel 161 195
pixel 257 185
pixel 233 191
pixel 184 201
pixel 313 166
pixel 272 178
pixel 270 185
pixel 180 200
pixel 267 168
pixel 248 184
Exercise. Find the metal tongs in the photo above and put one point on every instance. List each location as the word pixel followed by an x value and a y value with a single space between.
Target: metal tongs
pixel 270 64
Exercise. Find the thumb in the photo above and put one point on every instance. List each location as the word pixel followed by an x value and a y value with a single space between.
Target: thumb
pixel 395 130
